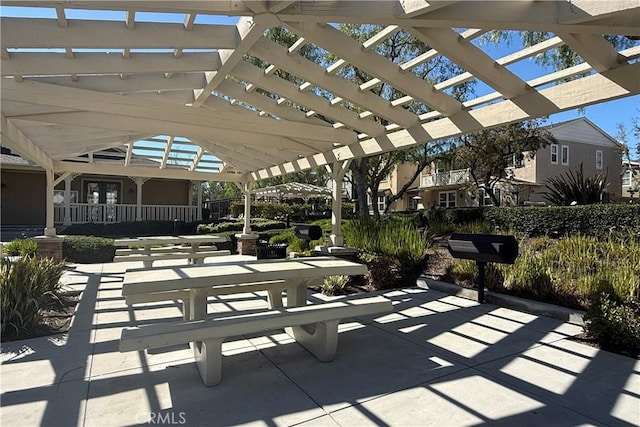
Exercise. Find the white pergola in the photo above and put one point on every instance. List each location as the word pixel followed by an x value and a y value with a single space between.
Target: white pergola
pixel 74 86
pixel 292 190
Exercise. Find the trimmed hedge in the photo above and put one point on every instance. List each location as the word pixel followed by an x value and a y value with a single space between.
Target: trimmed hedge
pixel 132 228
pixel 590 220
pixel 257 224
pixel 454 216
pixel 295 211
pixel 88 249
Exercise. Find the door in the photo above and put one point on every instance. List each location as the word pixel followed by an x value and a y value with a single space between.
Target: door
pixel 104 195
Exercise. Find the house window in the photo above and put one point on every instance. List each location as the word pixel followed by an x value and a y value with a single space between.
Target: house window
pixel 447 199
pixel 626 178
pixel 565 154
pixel 554 153
pixel 598 159
pixel 382 203
pixel 515 161
pixel 58 197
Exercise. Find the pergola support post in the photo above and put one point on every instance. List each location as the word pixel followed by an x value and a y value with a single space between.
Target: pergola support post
pixel 247 240
pixel 49 245
pixel 338 170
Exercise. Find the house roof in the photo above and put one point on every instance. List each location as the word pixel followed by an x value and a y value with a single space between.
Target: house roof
pixel 567 130
pixel 177 80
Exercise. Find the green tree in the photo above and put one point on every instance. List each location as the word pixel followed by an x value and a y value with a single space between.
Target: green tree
pixel 491 152
pixel 559 58
pixel 368 172
pixel 222 190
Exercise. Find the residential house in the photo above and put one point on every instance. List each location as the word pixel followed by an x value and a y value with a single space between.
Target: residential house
pixel 578 142
pixel 91 198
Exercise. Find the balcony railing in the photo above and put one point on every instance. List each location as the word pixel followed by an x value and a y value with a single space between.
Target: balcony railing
pixel 106 212
pixel 443 179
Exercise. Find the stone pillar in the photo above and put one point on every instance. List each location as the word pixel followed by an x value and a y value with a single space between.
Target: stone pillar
pixel 49 247
pixel 247 243
pixel 50 229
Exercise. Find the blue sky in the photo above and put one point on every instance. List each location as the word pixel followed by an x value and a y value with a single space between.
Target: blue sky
pixel 606 115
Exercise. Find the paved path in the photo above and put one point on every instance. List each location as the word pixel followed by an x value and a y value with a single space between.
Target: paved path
pixel 436 360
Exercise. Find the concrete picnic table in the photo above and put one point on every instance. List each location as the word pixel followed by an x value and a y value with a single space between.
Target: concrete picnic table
pixel 237 277
pixel 147 242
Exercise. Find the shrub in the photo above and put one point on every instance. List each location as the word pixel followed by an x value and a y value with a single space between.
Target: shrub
pixel 394 250
pixel 88 249
pixel 132 228
pixel 334 285
pixel 575 187
pixel 296 211
pixel 454 216
pixel 25 286
pixel 295 244
pixel 257 224
pixel 568 271
pixel 614 325
pixel 591 220
pixel 24 247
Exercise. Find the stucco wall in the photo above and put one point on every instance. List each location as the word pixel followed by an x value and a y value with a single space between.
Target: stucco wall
pixel 23 198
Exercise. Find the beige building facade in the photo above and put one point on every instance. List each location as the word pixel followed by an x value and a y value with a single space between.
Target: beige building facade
pixel 578 142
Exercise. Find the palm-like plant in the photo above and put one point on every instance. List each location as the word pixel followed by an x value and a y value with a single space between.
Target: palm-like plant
pixel 573 187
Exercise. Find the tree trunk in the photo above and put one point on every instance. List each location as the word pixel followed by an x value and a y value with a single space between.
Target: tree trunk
pixel 358 171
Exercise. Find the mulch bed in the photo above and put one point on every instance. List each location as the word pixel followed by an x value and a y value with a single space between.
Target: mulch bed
pixel 56 318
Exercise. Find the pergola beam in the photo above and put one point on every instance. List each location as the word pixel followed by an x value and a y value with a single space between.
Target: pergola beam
pixel 15 139
pixel 249 30
pixel 144 172
pixel 38 64
pixel 278 55
pixel 610 85
pixel 371 62
pixel 41 94
pixel 90 34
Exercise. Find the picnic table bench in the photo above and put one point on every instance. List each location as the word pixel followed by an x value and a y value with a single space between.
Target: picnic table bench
pixel 153 248
pixel 314 326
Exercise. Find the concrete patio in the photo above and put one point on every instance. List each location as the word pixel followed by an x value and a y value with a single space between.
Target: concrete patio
pixel 436 360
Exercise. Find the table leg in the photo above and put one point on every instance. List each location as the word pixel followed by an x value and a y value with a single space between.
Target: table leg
pixel 296 294
pixel 194 249
pixel 197 304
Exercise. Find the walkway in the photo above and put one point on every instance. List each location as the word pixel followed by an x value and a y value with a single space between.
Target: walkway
pixel 436 360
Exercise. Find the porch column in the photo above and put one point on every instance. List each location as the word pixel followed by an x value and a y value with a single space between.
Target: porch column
pixel 199 200
pixel 338 170
pixel 67 200
pixel 50 229
pixel 139 182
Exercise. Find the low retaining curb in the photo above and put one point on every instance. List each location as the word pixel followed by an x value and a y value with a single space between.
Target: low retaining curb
pixel 534 307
